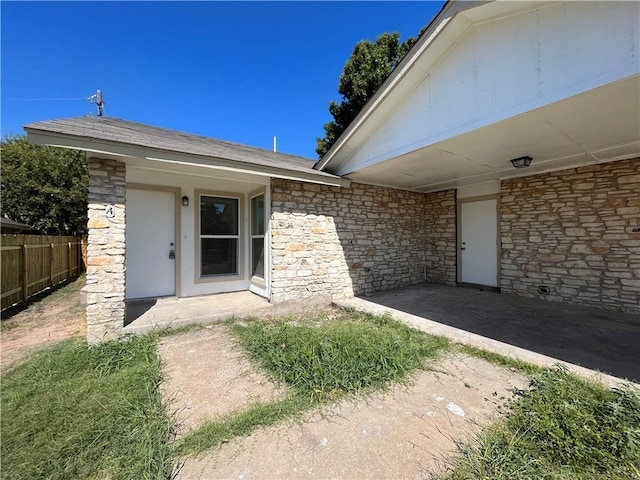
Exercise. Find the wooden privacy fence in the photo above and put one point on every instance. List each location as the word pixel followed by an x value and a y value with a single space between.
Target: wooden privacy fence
pixel 33 263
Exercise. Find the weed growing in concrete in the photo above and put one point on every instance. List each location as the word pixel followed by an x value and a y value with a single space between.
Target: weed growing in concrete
pixel 500 360
pixel 563 428
pixel 75 411
pixel 262 415
pixel 321 359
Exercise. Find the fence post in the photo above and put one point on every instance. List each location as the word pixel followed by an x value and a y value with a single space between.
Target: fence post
pixel 25 283
pixel 69 261
pixel 51 267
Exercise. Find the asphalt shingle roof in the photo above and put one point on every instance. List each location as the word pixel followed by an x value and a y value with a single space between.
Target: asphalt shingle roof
pixel 132 133
pixel 8 223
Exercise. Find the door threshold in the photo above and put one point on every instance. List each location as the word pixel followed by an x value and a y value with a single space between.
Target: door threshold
pixel 476 286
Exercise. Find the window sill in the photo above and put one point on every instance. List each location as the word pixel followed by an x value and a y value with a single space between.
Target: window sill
pixel 219 278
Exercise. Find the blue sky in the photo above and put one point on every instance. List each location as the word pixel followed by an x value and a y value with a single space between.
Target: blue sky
pixel 238 71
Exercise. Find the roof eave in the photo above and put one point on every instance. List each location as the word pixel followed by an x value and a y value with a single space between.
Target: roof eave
pixel 125 150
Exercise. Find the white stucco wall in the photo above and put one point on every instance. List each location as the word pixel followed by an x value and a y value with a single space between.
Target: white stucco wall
pixel 190 179
pixel 502 68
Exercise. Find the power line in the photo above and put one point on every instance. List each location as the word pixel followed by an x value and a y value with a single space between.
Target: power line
pixel 42 99
pixel 96 99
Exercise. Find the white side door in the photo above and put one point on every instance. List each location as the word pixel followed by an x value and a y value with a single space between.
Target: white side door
pixel 479 242
pixel 150 237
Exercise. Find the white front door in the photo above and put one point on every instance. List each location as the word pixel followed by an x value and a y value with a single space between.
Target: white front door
pixel 479 242
pixel 150 237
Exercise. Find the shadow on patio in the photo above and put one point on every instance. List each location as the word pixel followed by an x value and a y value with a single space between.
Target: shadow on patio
pixel 172 312
pixel 595 339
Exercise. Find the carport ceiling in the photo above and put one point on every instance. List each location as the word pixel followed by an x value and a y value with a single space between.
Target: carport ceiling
pixel 597 126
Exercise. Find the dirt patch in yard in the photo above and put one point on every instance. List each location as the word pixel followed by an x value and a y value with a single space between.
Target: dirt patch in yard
pixel 407 432
pixel 208 376
pixel 53 318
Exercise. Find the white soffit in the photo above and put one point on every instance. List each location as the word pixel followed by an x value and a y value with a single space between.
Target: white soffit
pixel 597 126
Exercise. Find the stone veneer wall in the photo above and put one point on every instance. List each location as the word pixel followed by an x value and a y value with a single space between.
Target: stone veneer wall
pixel 577 232
pixel 351 241
pixel 106 251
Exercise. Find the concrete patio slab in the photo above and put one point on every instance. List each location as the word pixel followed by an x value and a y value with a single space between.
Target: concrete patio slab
pixel 539 332
pixel 171 312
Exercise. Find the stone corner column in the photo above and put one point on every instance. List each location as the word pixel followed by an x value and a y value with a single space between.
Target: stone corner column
pixel 106 250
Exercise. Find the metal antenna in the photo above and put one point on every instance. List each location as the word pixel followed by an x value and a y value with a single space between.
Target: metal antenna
pixel 97 99
pixel 274 143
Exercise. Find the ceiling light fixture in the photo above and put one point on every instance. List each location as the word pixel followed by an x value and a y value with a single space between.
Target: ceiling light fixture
pixel 521 162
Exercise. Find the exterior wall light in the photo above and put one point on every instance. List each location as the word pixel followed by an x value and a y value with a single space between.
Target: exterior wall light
pixel 185 201
pixel 521 162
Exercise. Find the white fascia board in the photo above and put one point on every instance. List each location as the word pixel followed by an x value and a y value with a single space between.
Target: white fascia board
pixel 101 147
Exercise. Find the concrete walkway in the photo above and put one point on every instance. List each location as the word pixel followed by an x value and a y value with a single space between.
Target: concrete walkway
pixel 207 375
pixel 536 331
pixel 408 432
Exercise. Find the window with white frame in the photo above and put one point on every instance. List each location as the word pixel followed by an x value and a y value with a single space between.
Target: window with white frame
pixel 219 235
pixel 257 236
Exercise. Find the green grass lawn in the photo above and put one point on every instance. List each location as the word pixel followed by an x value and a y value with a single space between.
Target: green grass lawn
pixel 564 428
pixel 75 411
pixel 352 352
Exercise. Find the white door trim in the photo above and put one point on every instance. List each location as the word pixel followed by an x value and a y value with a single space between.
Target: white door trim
pixel 177 192
pixel 460 202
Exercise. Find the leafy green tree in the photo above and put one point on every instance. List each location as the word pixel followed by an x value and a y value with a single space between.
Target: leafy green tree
pixel 365 71
pixel 44 187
